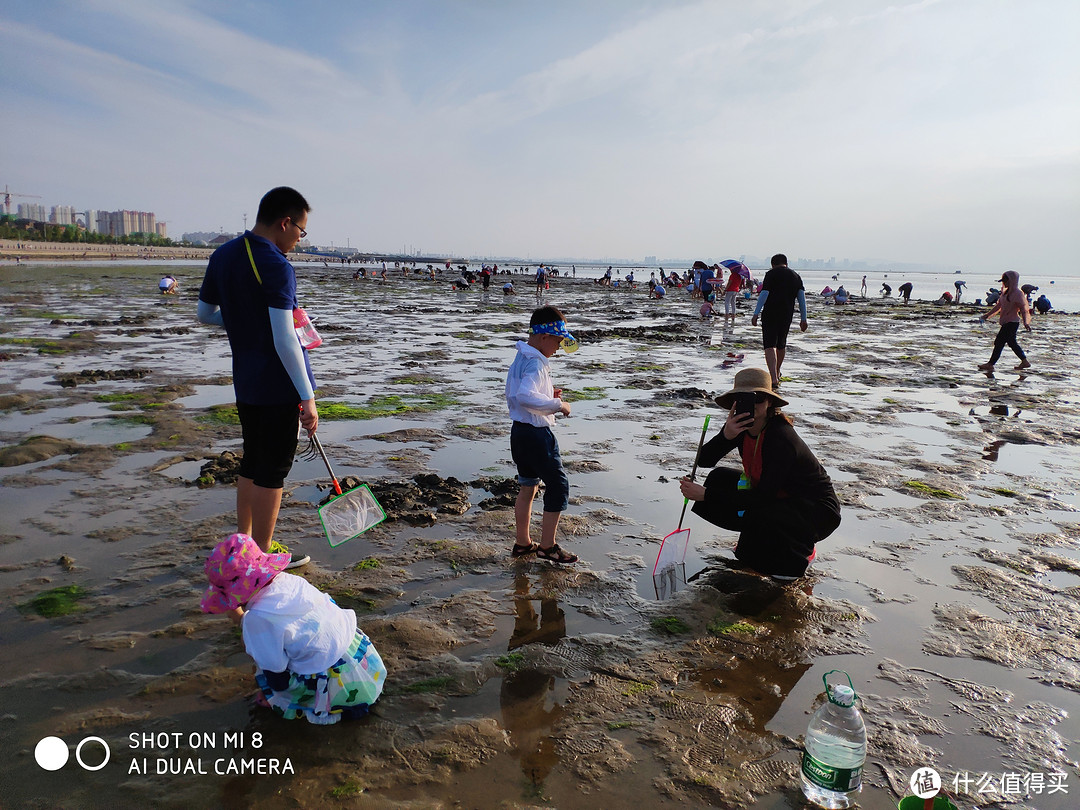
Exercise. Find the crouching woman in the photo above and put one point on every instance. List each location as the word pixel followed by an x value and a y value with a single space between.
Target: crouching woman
pixel 782 501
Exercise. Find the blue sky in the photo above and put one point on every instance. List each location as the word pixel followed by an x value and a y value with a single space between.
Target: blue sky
pixel 940 131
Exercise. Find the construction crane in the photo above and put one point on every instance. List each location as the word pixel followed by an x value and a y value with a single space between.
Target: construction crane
pixel 8 194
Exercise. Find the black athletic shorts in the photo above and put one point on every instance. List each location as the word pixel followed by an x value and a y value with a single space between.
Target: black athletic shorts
pixel 269 442
pixel 773 334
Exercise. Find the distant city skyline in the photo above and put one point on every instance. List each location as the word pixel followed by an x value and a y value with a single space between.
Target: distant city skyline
pixel 122 222
pixel 936 132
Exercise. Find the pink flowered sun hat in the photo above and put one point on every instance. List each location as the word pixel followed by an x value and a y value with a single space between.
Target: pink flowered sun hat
pixel 237 568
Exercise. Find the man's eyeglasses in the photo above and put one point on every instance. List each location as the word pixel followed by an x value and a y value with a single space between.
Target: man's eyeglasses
pixel 303 233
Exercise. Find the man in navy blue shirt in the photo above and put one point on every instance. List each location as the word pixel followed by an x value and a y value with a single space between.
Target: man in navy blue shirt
pixel 250 289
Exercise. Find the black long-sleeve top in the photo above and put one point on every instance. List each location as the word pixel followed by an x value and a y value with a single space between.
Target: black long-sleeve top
pixel 788 467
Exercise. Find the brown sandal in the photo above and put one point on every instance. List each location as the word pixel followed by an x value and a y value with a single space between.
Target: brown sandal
pixel 556 554
pixel 522 551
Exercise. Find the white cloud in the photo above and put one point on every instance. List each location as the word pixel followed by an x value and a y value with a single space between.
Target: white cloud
pixel 840 126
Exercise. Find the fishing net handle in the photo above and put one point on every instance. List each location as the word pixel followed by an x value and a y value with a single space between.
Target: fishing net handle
pixel 326 461
pixel 700 444
pixel 693 471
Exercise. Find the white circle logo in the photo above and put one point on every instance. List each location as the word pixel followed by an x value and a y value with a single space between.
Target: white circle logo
pixel 78 754
pixel 925 783
pixel 51 753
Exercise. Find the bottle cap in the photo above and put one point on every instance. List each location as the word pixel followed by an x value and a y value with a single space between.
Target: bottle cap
pixel 840 695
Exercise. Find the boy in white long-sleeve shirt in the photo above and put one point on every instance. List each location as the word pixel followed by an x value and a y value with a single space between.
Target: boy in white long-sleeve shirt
pixel 533 402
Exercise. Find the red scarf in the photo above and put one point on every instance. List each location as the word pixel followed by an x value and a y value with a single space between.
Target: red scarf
pixel 751 457
pixel 752 462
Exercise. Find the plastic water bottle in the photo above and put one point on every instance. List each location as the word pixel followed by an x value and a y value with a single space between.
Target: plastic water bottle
pixel 832 763
pixel 305 329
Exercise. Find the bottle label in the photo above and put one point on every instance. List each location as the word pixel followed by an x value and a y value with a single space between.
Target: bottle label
pixel 830 778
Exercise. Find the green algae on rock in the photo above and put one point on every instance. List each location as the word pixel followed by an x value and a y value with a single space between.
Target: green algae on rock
pixel 933 492
pixel 387 405
pixel 669 625
pixel 56 602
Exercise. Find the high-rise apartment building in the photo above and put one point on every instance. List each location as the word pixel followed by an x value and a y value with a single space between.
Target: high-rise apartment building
pixel 146 222
pixel 62 215
pixel 111 223
pixel 32 211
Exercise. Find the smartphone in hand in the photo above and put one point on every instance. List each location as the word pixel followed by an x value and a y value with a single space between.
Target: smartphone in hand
pixel 744 403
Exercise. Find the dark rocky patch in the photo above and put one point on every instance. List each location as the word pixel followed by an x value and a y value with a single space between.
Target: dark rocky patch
pixel 504 491
pixel 411 435
pixel 124 320
pixel 75 378
pixel 675 332
pixel 419 501
pixel 221 470
pixel 693 394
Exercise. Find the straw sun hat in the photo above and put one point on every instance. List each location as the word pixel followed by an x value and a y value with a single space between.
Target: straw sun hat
pixel 750 381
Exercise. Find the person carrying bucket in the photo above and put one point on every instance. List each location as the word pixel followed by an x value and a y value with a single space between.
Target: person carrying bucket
pixel 782 501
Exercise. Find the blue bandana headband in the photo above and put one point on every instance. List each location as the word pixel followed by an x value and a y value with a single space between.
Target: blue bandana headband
pixel 557 328
pixel 554 328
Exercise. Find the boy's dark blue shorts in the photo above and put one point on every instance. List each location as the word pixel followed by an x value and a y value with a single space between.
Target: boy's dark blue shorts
pixel 269 442
pixel 536 453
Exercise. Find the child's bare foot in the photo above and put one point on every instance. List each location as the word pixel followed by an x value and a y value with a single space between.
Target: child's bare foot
pixel 986 367
pixel 1023 364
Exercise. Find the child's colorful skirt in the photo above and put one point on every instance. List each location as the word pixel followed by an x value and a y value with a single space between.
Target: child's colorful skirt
pixel 347 689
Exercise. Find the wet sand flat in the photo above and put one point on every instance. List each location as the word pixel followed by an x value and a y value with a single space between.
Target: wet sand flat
pixel 949 592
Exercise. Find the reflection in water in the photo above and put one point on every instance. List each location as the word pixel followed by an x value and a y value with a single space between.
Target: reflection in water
pixel 762 682
pixel 529 710
pixel 990 452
